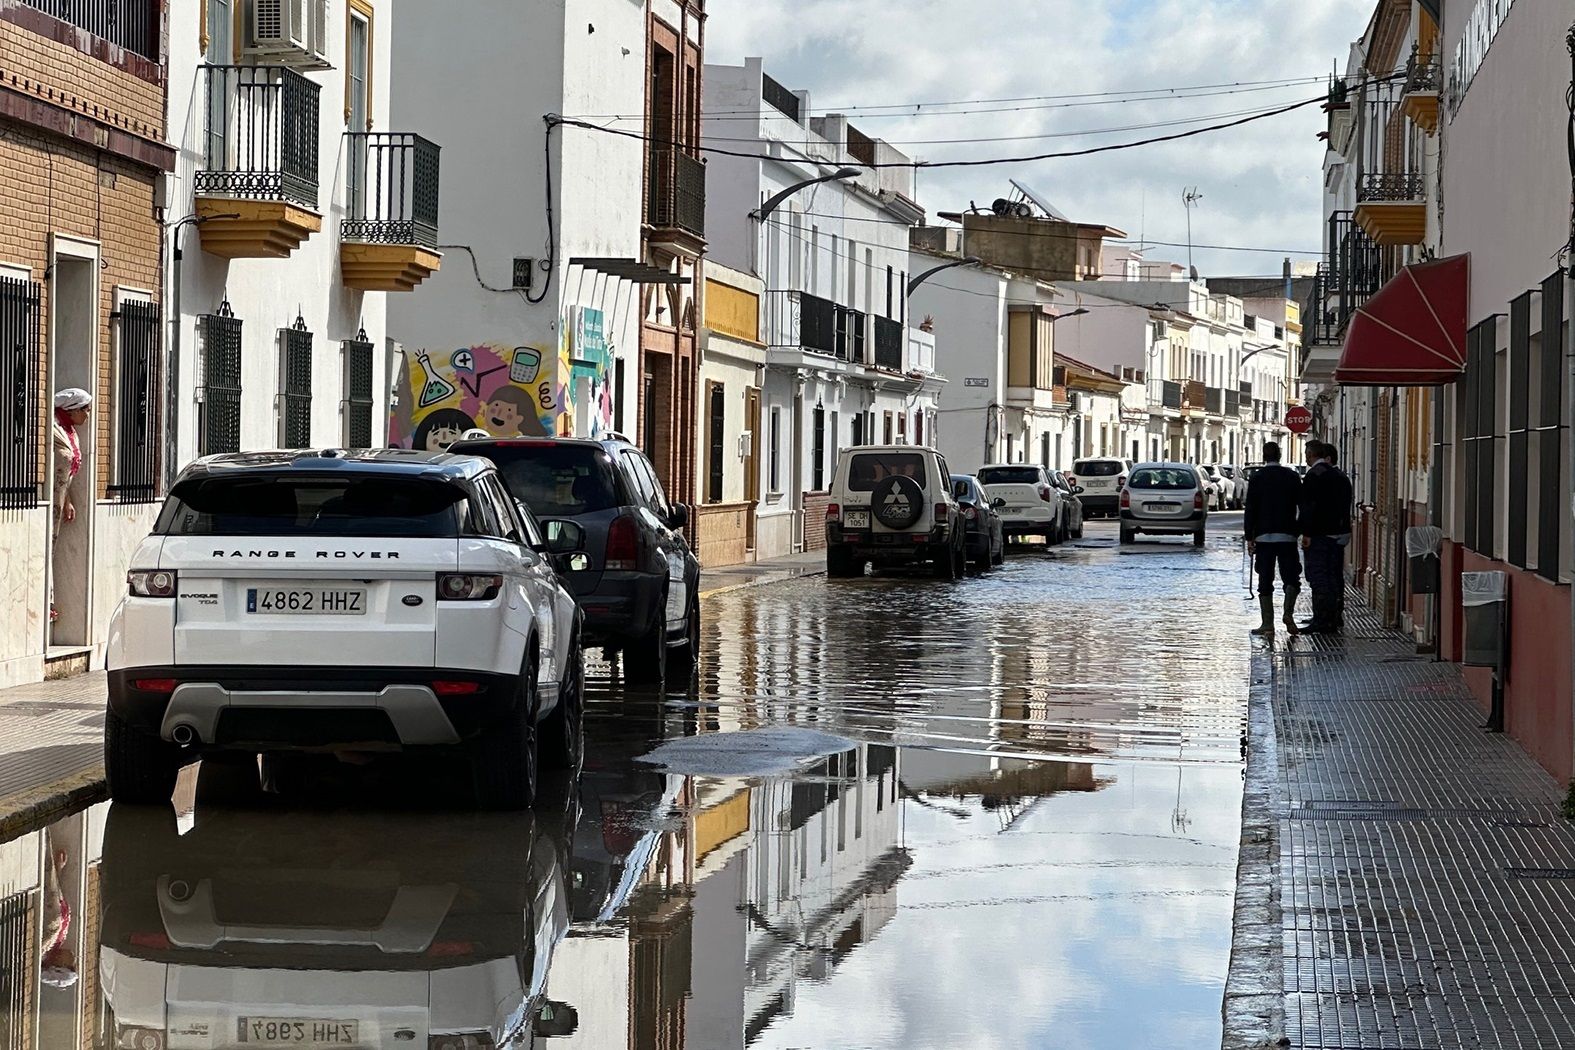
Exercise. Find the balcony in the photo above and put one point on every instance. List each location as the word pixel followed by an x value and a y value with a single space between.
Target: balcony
pixel 388 241
pixel 1214 401
pixel 921 351
pixel 889 337
pixel 1352 273
pixel 1170 395
pixel 800 321
pixel 1233 403
pixel 1419 100
pixel 256 192
pixel 675 201
pixel 1391 208
pixel 1193 394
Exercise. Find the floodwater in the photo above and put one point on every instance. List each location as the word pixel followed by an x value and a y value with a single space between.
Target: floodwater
pixel 893 813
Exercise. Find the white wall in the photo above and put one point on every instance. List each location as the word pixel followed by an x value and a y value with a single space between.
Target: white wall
pixel 268 294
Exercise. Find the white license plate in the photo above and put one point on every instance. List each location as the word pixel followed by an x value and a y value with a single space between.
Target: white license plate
pixel 1011 510
pixel 1164 508
pixel 856 519
pixel 296 1031
pixel 307 601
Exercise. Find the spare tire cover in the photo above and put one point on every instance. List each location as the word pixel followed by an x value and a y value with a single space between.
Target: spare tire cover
pixel 897 502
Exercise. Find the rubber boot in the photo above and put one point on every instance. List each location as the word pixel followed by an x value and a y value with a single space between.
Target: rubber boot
pixel 1266 605
pixel 1290 612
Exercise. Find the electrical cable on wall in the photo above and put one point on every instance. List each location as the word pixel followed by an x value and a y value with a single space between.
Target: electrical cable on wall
pixel 1569 101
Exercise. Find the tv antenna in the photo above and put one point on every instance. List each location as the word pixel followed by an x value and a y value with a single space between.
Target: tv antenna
pixel 1190 197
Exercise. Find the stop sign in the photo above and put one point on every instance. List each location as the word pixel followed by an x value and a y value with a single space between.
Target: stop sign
pixel 1299 419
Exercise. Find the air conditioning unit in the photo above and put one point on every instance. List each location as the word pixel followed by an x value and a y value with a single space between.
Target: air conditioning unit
pixel 1079 402
pixel 290 32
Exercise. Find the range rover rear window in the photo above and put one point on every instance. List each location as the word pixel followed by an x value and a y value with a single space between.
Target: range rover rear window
pixel 1096 468
pixel 308 506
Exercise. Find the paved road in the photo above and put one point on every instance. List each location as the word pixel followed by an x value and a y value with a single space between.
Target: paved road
pixel 893 813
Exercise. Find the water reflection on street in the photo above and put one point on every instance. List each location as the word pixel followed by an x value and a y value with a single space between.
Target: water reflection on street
pixel 893 813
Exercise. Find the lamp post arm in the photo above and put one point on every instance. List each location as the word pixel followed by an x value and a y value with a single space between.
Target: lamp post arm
pixel 919 279
pixel 772 202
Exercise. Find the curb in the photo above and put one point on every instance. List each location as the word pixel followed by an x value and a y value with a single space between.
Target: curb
pixel 1253 1009
pixel 43 806
pixel 761 582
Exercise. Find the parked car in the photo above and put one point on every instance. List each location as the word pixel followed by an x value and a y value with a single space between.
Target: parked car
pixel 1032 504
pixel 1101 478
pixel 986 539
pixel 638 582
pixel 1071 500
pixel 354 601
pixel 1164 499
pixel 893 505
pixel 1238 485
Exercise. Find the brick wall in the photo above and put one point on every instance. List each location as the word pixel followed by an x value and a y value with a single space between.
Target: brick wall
pixel 815 520
pixel 59 73
pixel 55 186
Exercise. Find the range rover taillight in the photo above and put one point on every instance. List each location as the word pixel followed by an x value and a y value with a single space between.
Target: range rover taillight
pixel 467 587
pixel 159 583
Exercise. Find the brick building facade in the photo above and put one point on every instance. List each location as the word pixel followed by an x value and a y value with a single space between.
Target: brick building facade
pixel 83 153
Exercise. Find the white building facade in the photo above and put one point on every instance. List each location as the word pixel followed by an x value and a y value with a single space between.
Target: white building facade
pixel 843 365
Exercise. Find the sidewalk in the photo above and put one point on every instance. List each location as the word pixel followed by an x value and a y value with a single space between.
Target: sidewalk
pixel 1406 880
pixel 51 751
pixel 732 577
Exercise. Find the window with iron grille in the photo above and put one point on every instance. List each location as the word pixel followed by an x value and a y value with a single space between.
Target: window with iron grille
pixel 1519 428
pixel 1479 415
pixel 137 393
pixel 358 391
pixel 1552 435
pixel 18 969
pixel 295 385
pixel 221 383
pixel 818 462
pixel 20 412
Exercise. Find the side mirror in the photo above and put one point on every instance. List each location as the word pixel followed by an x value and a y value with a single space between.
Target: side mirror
pixel 1078 490
pixel 679 518
pixel 563 537
pixel 556 1020
pixel 998 502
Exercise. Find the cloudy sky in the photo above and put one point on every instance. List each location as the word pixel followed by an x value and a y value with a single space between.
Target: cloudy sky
pixel 1259 183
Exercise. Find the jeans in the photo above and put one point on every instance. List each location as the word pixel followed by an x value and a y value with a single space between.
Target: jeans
pixel 1282 555
pixel 1326 577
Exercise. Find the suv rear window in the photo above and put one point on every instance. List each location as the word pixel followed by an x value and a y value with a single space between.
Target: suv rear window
pixel 312 506
pixel 1009 476
pixel 869 469
pixel 558 480
pixel 1175 479
pixel 1096 468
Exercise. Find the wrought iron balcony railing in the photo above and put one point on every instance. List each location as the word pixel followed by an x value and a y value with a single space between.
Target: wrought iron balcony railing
pixel 260 135
pixel 1390 186
pixel 131 24
pixel 391 189
pixel 676 192
pixel 1422 73
pixel 889 337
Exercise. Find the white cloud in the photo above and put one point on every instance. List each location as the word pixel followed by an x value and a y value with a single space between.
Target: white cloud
pixel 1260 183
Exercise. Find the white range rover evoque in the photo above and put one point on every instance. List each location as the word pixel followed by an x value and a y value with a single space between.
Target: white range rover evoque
pixel 346 602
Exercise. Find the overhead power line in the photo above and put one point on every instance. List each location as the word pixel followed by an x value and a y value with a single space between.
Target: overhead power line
pixel 971 163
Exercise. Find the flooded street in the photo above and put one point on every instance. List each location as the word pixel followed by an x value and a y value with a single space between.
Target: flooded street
pixel 894 813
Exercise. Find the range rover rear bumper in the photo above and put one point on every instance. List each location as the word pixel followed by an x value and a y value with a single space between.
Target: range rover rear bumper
pixel 263 708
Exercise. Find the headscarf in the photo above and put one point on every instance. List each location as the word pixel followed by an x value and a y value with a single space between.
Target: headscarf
pixel 72 398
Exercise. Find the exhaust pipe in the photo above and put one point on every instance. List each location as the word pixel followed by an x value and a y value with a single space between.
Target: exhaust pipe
pixel 184 735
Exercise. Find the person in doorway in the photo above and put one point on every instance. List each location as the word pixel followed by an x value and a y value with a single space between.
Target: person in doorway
pixel 58 964
pixel 71 414
pixel 1326 531
pixel 1273 501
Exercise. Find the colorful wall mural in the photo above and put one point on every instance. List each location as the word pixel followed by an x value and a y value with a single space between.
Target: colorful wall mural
pixel 507 391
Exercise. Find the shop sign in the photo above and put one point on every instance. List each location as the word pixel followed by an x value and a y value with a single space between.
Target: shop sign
pixel 1481 26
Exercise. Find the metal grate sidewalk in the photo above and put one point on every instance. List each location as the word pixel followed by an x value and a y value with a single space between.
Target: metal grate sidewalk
pixel 1425 880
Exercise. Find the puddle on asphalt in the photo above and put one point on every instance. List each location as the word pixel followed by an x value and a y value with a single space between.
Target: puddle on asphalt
pixel 1018 833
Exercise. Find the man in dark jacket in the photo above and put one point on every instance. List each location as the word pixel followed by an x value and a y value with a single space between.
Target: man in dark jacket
pixel 1271 528
pixel 1326 531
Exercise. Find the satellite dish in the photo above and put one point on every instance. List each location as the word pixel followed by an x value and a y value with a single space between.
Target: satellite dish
pixel 1045 206
pixel 1001 207
pixel 1008 209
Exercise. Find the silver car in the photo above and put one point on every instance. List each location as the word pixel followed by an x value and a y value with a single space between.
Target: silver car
pixel 1164 499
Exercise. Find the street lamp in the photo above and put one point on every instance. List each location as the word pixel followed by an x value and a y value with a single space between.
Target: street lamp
pixel 927 274
pixel 771 203
pixel 1080 311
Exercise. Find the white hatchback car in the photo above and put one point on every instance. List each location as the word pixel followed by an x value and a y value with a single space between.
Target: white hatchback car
pixel 1032 505
pixel 345 602
pixel 1164 499
pixel 1101 478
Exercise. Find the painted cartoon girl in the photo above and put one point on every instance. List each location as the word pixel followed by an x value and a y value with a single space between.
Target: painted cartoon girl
pixel 440 429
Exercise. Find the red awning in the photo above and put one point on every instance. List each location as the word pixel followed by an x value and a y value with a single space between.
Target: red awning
pixel 1413 331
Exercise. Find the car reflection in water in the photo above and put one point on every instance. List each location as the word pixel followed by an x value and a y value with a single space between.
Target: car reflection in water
pixel 341 929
